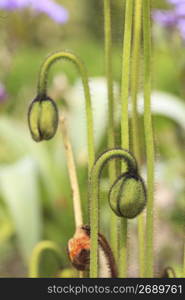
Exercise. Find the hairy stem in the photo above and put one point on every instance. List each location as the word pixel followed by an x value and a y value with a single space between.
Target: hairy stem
pixel 141 238
pixel 126 73
pixel 135 78
pixel 135 120
pixel 183 272
pixel 125 120
pixel 111 128
pixel 41 247
pixel 107 263
pixel 72 174
pixel 94 196
pixel 42 90
pixel 148 136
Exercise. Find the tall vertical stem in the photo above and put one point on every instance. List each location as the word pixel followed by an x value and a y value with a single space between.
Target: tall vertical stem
pixel 72 174
pixel 135 77
pixel 125 120
pixel 111 134
pixel 135 121
pixel 148 136
pixel 183 272
pixel 77 208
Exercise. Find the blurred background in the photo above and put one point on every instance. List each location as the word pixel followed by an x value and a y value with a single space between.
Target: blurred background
pixel 35 194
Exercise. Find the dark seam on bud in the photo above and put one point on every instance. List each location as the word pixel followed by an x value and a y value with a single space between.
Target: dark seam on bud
pixel 120 193
pixel 124 177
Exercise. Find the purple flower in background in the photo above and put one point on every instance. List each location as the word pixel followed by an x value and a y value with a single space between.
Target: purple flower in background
pixel 175 1
pixel 48 7
pixel 3 94
pixel 12 4
pixel 174 17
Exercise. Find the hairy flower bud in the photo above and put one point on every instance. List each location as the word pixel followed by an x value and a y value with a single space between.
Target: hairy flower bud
pixel 79 252
pixel 127 196
pixel 43 119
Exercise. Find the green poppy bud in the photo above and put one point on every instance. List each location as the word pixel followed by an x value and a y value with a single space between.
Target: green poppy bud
pixel 127 196
pixel 43 119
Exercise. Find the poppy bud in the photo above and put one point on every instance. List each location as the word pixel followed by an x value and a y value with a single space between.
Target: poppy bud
pixel 79 252
pixel 127 196
pixel 79 249
pixel 43 119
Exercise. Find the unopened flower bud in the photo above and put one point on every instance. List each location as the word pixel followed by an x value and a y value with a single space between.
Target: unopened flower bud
pixel 79 252
pixel 43 119
pixel 127 196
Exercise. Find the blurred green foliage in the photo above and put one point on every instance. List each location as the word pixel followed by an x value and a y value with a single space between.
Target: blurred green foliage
pixel 38 171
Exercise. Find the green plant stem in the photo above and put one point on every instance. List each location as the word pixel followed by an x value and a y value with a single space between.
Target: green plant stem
pixel 42 90
pixel 149 141
pixel 77 208
pixel 169 273
pixel 41 247
pixel 135 78
pixel 183 273
pixel 111 128
pixel 141 238
pixel 72 174
pixel 135 72
pixel 94 199
pixel 125 120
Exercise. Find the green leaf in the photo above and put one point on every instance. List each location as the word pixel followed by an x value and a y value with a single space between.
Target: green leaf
pixel 19 190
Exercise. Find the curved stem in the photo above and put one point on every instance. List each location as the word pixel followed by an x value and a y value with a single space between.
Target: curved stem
pixel 111 129
pixel 37 254
pixel 42 90
pixel 124 120
pixel 149 141
pixel 135 121
pixel 131 165
pixel 169 273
